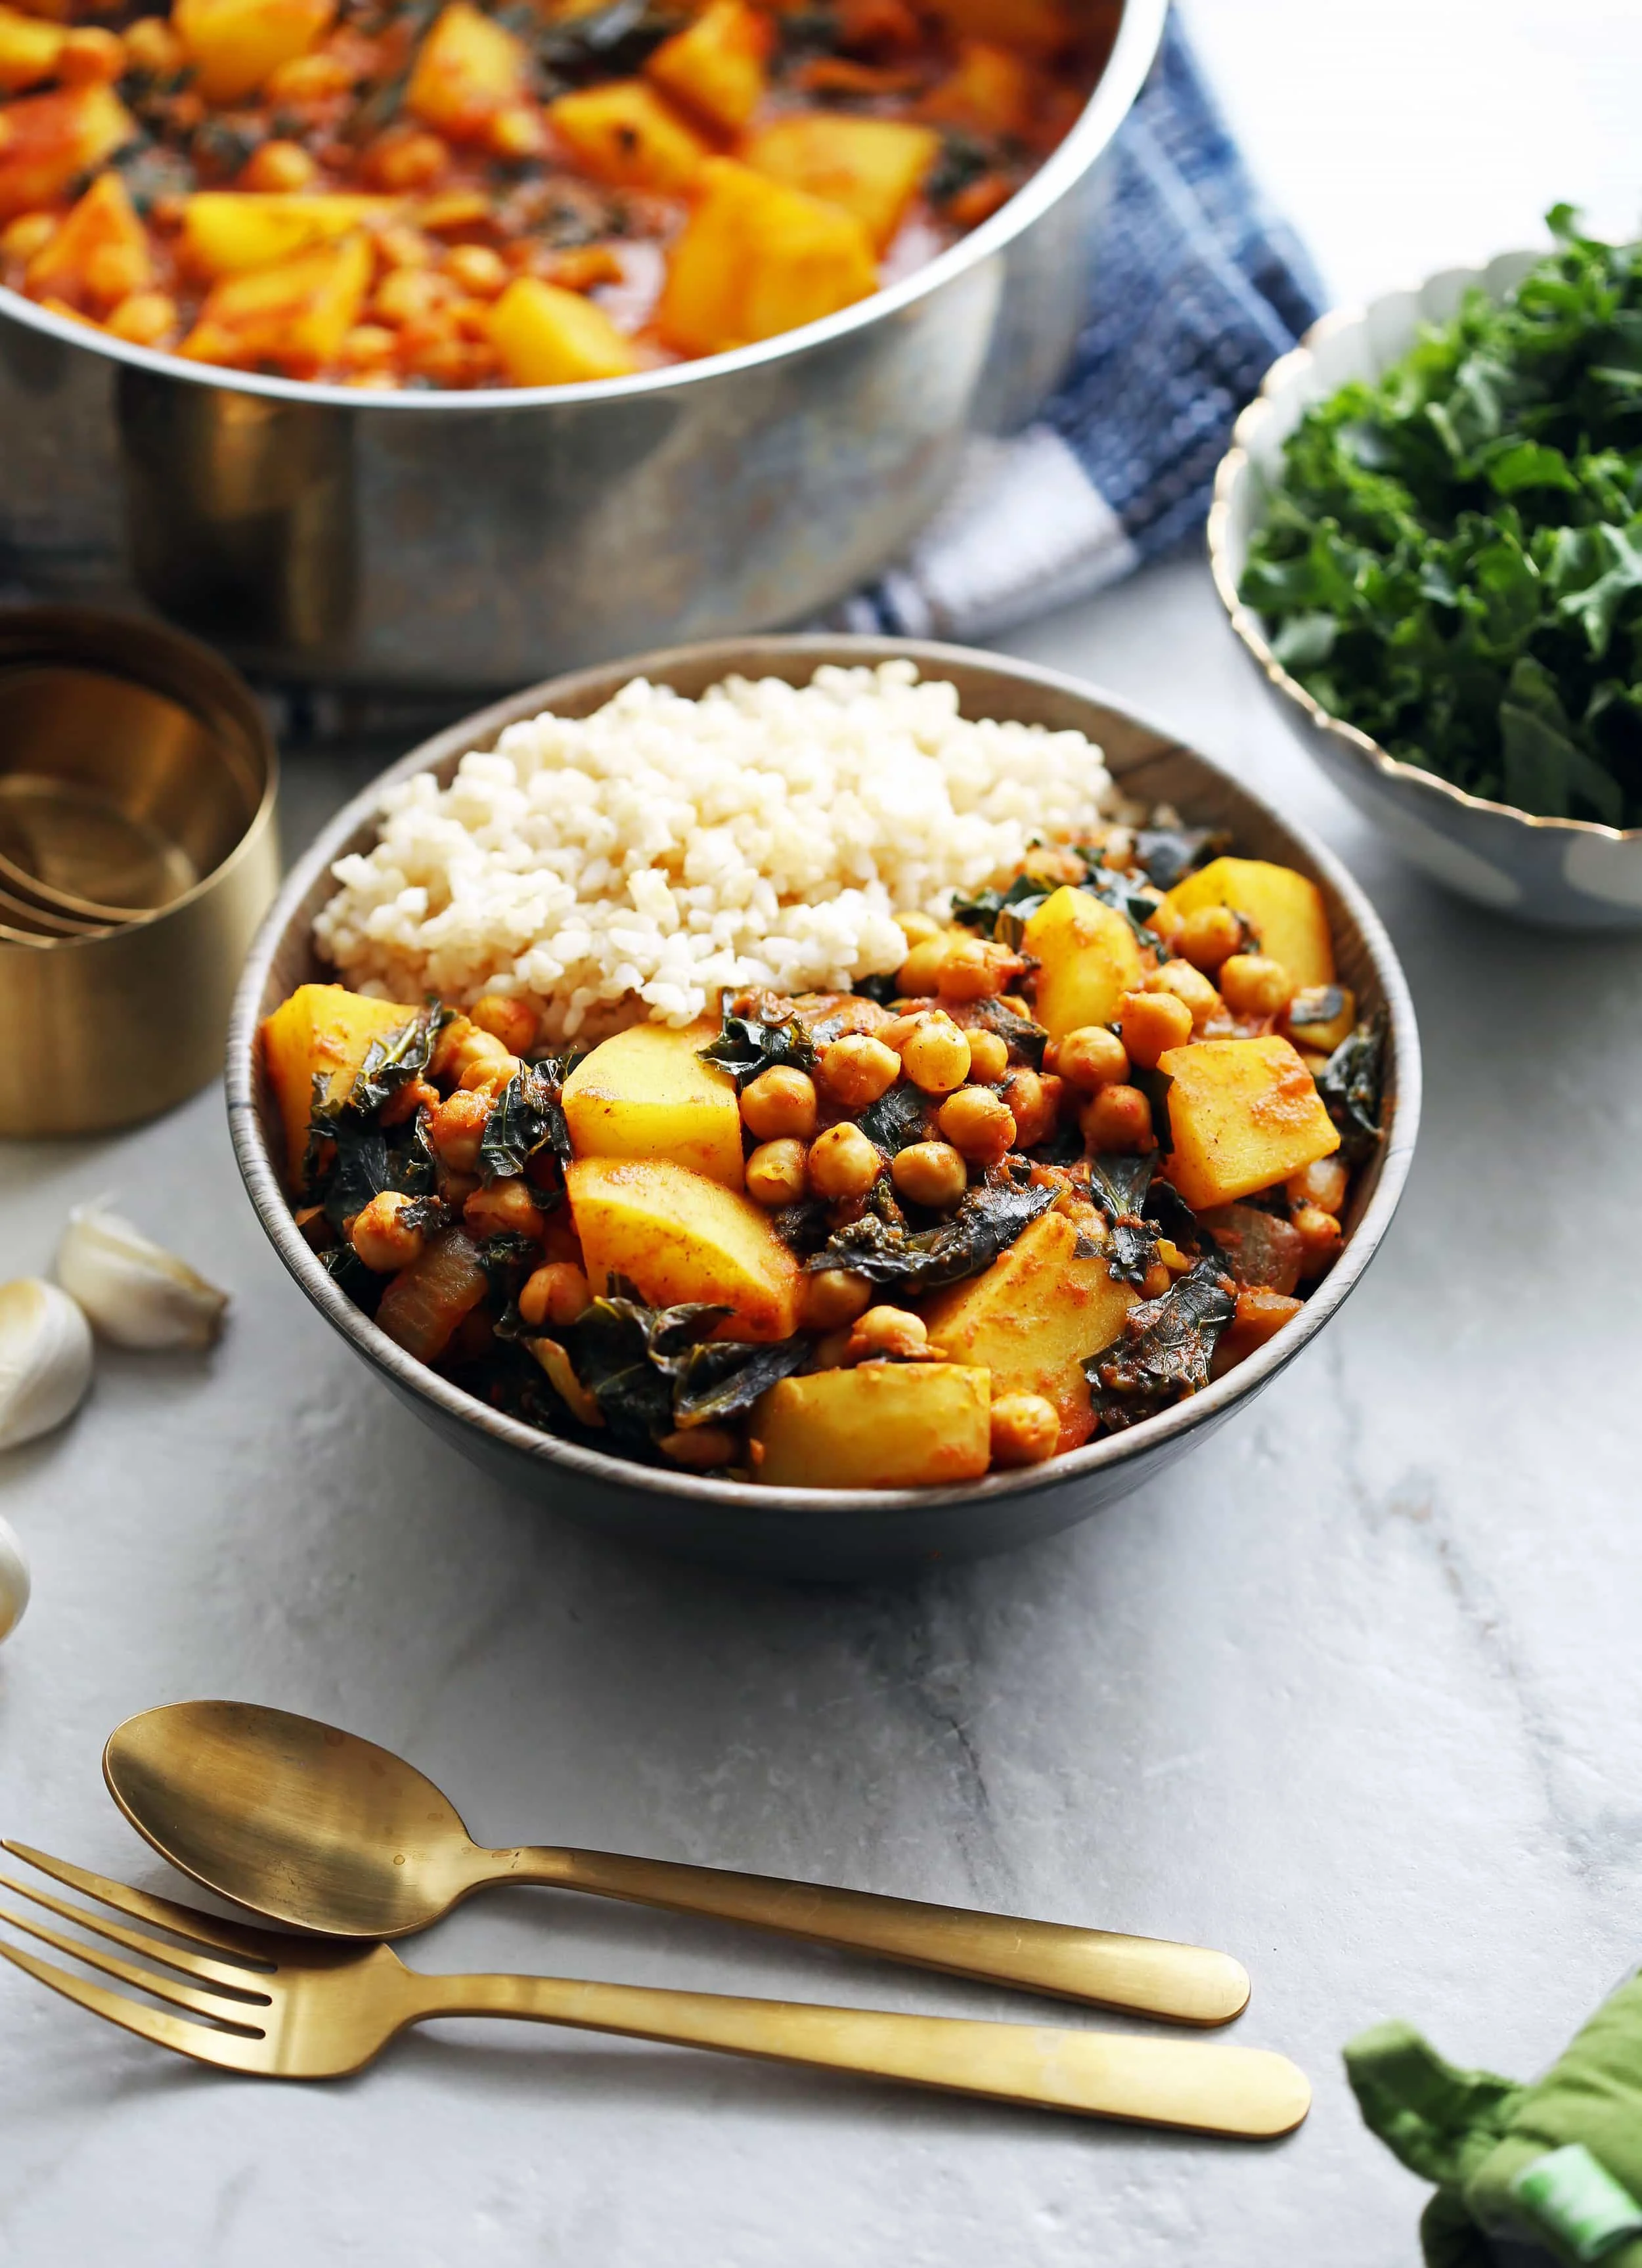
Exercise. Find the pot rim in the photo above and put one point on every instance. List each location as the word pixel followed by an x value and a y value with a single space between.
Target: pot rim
pixel 1139 35
pixel 753 1500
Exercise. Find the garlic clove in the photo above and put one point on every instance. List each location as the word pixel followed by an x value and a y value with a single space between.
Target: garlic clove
pixel 14 1586
pixel 137 1293
pixel 45 1360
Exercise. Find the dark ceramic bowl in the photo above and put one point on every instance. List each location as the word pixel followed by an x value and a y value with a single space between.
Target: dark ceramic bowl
pixel 836 1534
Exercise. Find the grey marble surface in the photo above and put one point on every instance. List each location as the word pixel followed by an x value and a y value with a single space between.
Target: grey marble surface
pixel 1354 1692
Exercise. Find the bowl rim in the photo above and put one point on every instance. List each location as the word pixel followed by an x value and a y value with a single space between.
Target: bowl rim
pixel 1140 35
pixel 1238 465
pixel 755 1500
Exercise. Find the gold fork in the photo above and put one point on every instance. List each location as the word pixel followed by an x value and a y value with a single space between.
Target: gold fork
pixel 295 2008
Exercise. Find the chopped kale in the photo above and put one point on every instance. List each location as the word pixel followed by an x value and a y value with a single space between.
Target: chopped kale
pixel 506 1260
pixel 389 1064
pixel 1025 1041
pixel 723 1379
pixel 1168 854
pixel 369 1160
pixel 614 41
pixel 342 1265
pixel 1120 1186
pixel 988 1220
pixel 745 1048
pixel 1155 1084
pixel 1002 914
pixel 1165 1205
pixel 1121 893
pixel 803 1227
pixel 654 1370
pixel 897 1119
pixel 883 989
pixel 1351 1084
pixel 963 158
pixel 1164 1350
pixel 528 1117
pixel 1317 1005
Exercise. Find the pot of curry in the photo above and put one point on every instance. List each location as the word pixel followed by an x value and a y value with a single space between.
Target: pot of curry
pixel 384 343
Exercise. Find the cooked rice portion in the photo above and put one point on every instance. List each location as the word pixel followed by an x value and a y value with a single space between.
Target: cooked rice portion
pixel 664 849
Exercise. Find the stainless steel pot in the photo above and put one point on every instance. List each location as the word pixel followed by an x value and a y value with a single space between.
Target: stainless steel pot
pixel 463 541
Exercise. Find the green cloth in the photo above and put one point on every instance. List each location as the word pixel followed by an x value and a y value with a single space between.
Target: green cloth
pixel 1477 2136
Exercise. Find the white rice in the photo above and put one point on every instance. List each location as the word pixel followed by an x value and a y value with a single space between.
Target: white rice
pixel 640 860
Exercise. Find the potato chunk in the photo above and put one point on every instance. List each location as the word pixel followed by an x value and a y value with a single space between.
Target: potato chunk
pixel 623 133
pixel 874 167
pixel 548 336
pixel 468 69
pixel 1286 909
pixel 228 230
pixel 47 141
pixel 99 255
pixel 295 314
pixel 1242 1114
pixel 321 1030
pixel 234 45
pixel 29 50
pixel 884 1424
pixel 647 1093
pixel 678 1237
pixel 1089 958
pixel 716 66
pixel 758 258
pixel 1032 1317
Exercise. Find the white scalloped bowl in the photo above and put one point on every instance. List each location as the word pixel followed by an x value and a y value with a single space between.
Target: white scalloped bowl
pixel 1562 873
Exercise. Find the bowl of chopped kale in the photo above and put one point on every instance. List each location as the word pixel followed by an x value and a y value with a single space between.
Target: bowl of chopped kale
pixel 1428 535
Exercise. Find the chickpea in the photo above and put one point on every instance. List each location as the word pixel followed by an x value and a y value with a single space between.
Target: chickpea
pixel 457 1128
pixel 145 319
pixel 382 1241
pixel 776 1173
pixel 1035 1104
pixel 490 1072
pixel 899 1029
pixel 556 1293
pixel 368 348
pixel 833 1298
pixel 279 166
pixel 476 269
pixel 917 929
pixel 29 234
pixel 510 1020
pixel 889 1332
pixel 90 57
pixel 1253 984
pixel 1156 1280
pixel 1190 985
pixel 857 1069
pixel 400 246
pixel 920 972
pixel 843 1163
pixel 1322 1183
pixel 1089 1058
pixel 505 1208
pixel 779 1103
pixel 1208 937
pixel 304 79
pixel 410 295
pixel 1320 1237
pixel 932 1174
pixel 972 969
pixel 152 48
pixel 937 1056
pixel 1026 1430
pixel 701 1447
pixel 1117 1119
pixel 400 160
pixel 1152 1023
pixel 989 1057
pixel 518 132
pixel 979 1124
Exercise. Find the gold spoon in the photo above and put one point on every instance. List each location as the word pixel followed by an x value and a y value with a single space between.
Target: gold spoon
pixel 330 1833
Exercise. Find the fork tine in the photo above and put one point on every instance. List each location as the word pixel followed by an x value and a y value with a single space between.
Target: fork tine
pixel 242 1982
pixel 257 1947
pixel 231 2049
pixel 163 1988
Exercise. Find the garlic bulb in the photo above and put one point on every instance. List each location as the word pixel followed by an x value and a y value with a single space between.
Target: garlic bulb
pixel 45 1360
pixel 137 1293
pixel 13 1581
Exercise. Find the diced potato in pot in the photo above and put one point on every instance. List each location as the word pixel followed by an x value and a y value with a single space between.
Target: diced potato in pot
pixel 757 258
pixel 874 167
pixel 29 50
pixel 625 134
pixel 883 1425
pixel 47 141
pixel 647 1093
pixel 227 230
pixel 548 336
pixel 234 45
pixel 98 255
pixel 1286 909
pixel 295 314
pixel 1242 1114
pixel 1033 1316
pixel 323 1030
pixel 716 65
pixel 681 1237
pixel 467 70
pixel 1089 959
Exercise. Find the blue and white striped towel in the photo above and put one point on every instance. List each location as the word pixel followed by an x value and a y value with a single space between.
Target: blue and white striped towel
pixel 1201 290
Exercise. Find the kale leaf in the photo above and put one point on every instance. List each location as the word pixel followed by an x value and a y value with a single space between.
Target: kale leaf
pixel 900 1117
pixel 745 1046
pixel 654 1370
pixel 1164 1350
pixel 1002 914
pixel 1119 1186
pixel 988 1220
pixel 527 1116
pixel 1168 854
pixel 1025 1041
pixel 1351 1084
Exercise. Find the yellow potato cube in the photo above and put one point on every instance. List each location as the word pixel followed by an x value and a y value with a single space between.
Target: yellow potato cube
pixel 227 230
pixel 883 1425
pixel 1032 1317
pixel 1242 1114
pixel 29 50
pixel 1286 909
pixel 295 314
pixel 624 134
pixel 548 336
pixel 758 258
pixel 1089 959
pixel 47 141
pixel 466 71
pixel 99 255
pixel 874 167
pixel 647 1093
pixel 681 1237
pixel 716 66
pixel 322 1030
pixel 234 45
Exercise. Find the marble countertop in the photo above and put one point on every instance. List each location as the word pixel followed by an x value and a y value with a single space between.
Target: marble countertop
pixel 1354 1692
